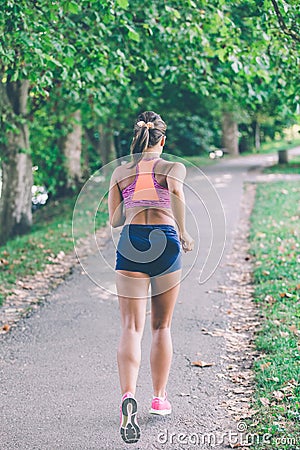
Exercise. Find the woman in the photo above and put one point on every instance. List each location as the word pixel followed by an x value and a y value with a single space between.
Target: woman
pixel 148 254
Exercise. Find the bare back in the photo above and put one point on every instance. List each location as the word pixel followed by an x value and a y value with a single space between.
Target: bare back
pixel 144 214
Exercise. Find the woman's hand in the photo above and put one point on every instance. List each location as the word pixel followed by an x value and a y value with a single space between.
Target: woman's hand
pixel 187 242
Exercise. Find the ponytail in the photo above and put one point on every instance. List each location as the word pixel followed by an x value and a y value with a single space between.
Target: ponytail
pixel 148 130
pixel 140 143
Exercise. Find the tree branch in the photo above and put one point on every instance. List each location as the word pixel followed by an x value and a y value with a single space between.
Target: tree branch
pixel 285 29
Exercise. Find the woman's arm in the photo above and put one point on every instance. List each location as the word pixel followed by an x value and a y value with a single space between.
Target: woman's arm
pixel 175 178
pixel 115 205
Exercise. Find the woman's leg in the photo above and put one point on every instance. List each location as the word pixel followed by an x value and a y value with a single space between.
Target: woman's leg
pixel 165 290
pixel 132 290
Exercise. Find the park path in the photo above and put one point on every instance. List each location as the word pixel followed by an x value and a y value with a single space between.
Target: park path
pixel 58 374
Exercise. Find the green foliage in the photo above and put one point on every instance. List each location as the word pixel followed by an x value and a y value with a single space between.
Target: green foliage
pixel 111 59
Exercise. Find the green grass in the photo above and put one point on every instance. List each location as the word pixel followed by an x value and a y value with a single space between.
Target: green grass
pixel 200 161
pixel 275 231
pixel 266 147
pixel 51 233
pixel 293 166
pixel 283 144
pixel 274 146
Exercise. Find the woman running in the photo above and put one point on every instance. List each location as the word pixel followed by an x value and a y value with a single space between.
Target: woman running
pixel 148 254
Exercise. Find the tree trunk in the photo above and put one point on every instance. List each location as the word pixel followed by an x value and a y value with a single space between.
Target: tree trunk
pixel 257 135
pixel 107 143
pixel 283 157
pixel 230 139
pixel 15 200
pixel 103 143
pixel 72 147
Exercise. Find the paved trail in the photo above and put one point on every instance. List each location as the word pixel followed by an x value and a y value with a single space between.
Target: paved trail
pixel 58 373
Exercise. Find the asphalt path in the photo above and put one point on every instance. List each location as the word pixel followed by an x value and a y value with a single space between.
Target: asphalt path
pixel 59 385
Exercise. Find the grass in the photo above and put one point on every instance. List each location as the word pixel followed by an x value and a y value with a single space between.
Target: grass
pixel 266 147
pixel 275 231
pixel 51 233
pixel 200 161
pixel 274 146
pixel 293 166
pixel 282 144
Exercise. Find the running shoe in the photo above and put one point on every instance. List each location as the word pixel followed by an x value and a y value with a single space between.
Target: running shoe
pixel 129 429
pixel 160 406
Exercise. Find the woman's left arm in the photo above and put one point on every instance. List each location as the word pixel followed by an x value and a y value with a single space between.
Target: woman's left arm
pixel 115 205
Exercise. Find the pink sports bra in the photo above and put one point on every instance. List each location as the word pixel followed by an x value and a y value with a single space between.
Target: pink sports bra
pixel 145 190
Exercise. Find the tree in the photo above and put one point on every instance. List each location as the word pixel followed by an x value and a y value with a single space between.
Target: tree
pixel 102 57
pixel 42 45
pixel 15 202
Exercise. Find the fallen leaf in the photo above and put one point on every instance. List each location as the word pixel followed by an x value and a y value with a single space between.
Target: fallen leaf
pixel 260 235
pixel 265 272
pixel 294 329
pixel 264 401
pixel 202 364
pixel 278 395
pixel 4 262
pixel 6 327
pixel 270 299
pixel 292 381
pixel 265 365
pixel 283 333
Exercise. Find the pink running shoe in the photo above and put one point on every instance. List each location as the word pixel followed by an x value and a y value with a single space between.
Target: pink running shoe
pixel 129 429
pixel 160 406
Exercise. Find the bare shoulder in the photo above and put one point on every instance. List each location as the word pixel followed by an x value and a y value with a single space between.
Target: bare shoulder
pixel 174 165
pixel 177 170
pixel 115 174
pixel 120 172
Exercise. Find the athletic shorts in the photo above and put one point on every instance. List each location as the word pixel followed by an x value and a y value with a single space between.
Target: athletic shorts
pixel 151 249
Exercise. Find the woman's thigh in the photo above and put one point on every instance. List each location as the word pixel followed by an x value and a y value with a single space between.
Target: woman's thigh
pixel 132 290
pixel 132 285
pixel 165 290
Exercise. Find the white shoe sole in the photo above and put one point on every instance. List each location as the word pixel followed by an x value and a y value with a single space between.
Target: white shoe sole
pixel 160 412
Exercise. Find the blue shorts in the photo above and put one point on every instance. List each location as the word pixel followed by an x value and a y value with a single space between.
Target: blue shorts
pixel 151 249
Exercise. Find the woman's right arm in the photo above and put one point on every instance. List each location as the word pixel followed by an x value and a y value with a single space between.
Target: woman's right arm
pixel 115 203
pixel 175 179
